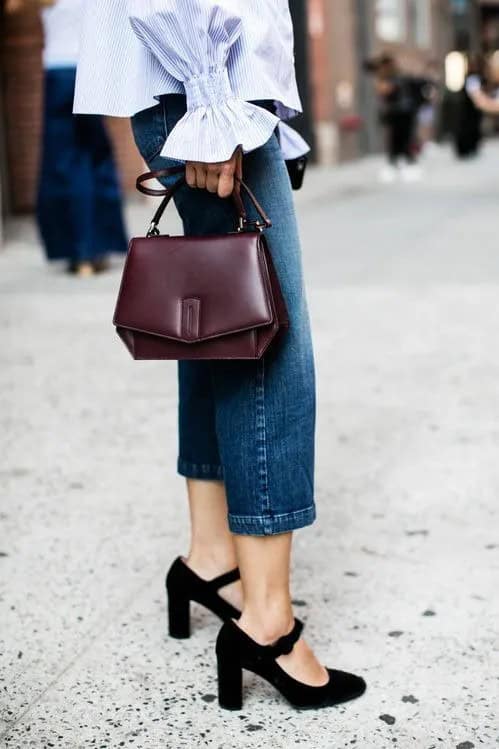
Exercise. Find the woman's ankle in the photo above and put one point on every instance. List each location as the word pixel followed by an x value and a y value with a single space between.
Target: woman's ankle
pixel 211 562
pixel 266 624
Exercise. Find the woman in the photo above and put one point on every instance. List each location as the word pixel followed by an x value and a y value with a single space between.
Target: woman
pixel 469 116
pixel 486 102
pixel 246 429
pixel 400 97
pixel 79 202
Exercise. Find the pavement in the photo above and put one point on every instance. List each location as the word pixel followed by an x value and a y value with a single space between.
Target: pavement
pixel 397 580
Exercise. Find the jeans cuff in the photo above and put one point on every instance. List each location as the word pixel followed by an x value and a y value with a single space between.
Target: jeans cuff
pixel 206 471
pixel 269 525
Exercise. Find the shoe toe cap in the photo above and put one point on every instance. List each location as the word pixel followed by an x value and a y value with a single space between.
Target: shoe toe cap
pixel 347 684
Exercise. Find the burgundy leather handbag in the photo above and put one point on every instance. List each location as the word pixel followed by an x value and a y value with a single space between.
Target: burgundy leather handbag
pixel 209 297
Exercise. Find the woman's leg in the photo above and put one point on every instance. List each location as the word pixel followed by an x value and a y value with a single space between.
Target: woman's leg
pixel 212 550
pixel 407 137
pixel 391 142
pixel 64 202
pixel 264 423
pixel 265 409
pixel 108 228
pixel 267 612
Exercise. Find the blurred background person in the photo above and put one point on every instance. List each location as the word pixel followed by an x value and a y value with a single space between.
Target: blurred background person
pixel 485 94
pixel 467 132
pixel 427 113
pixel 79 208
pixel 400 98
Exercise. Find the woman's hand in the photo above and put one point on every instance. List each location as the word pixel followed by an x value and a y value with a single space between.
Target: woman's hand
pixel 218 177
pixel 14 6
pixel 484 102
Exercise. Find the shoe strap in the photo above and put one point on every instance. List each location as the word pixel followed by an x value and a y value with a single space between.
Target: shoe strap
pixel 226 579
pixel 285 644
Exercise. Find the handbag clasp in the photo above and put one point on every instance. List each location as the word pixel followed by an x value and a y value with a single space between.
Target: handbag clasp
pixel 245 225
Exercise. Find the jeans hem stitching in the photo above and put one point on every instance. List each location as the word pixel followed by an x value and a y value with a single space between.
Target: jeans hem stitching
pixel 257 525
pixel 206 471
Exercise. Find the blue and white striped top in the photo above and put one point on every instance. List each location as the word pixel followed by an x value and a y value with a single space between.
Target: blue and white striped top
pixel 222 54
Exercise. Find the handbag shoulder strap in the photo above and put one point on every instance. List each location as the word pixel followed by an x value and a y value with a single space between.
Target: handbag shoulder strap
pixel 167 193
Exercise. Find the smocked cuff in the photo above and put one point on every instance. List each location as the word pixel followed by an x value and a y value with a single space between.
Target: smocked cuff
pixel 216 122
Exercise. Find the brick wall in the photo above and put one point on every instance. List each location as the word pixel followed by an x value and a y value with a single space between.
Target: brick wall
pixel 334 63
pixel 22 82
pixel 22 102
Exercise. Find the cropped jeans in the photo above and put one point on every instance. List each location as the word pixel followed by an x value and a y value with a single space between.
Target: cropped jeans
pixel 249 424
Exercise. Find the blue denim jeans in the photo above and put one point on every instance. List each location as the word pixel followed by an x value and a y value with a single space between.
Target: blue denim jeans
pixel 79 197
pixel 248 423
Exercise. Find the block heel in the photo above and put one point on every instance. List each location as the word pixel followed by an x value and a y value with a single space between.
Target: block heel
pixel 184 586
pixel 179 616
pixel 230 683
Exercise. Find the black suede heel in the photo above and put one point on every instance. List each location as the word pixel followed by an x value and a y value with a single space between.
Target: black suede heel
pixel 184 586
pixel 237 651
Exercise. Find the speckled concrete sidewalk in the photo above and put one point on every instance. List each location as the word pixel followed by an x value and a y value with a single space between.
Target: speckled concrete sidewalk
pixel 398 580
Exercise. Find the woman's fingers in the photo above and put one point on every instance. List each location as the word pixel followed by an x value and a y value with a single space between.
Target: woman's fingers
pixel 14 6
pixel 226 179
pixel 216 177
pixel 195 174
pixel 190 173
pixel 201 176
pixel 212 177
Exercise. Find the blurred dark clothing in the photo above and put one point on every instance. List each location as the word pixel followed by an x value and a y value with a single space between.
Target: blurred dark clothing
pixel 79 199
pixel 408 95
pixel 400 134
pixel 398 113
pixel 468 125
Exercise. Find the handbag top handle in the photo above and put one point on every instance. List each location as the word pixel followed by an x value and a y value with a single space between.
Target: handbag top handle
pixel 167 193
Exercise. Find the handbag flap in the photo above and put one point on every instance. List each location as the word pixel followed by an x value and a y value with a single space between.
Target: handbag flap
pixel 194 288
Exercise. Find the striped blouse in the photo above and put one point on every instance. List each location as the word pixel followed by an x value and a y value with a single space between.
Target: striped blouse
pixel 223 54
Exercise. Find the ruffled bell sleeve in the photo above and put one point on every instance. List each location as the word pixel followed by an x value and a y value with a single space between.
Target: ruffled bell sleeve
pixel 292 144
pixel 196 42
